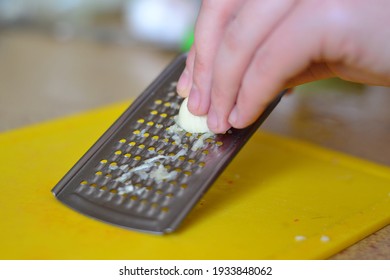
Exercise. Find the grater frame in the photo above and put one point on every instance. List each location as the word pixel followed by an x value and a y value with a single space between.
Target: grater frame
pixel 144 206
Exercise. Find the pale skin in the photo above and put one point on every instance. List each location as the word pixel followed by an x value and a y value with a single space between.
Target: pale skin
pixel 246 51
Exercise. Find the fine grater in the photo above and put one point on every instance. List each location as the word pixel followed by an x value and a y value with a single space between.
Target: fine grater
pixel 144 173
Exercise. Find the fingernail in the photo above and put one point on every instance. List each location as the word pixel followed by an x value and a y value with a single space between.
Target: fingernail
pixel 183 82
pixel 233 117
pixel 212 120
pixel 194 99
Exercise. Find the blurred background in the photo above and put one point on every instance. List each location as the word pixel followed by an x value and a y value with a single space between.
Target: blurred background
pixel 66 56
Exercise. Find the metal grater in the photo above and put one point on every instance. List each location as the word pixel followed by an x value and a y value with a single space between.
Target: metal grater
pixel 142 174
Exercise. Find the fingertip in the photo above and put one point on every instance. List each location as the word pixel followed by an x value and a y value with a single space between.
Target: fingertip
pixel 215 123
pixel 198 102
pixel 239 120
pixel 182 93
pixel 234 118
pixel 193 100
pixel 183 84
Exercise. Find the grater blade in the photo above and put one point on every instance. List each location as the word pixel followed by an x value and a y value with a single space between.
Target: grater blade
pixel 142 174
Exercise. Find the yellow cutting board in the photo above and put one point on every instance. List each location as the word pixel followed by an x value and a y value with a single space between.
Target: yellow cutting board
pixel 279 199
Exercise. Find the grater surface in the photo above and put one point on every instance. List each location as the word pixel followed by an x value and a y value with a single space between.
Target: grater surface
pixel 144 173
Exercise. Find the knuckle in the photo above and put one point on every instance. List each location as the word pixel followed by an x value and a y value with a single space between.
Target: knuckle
pixel 339 43
pixel 260 65
pixel 190 58
pixel 220 10
pixel 189 63
pixel 197 81
pixel 208 4
pixel 201 65
pixel 231 37
pixel 337 13
pixel 218 96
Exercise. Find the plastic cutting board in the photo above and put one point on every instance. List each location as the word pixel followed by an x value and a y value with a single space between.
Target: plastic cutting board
pixel 279 199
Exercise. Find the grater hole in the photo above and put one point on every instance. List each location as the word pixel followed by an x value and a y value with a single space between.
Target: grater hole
pixel 157 128
pixel 184 186
pixel 122 141
pixel 132 144
pixel 113 191
pixel 84 182
pixel 118 152
pixel 103 161
pixel 103 188
pixel 185 146
pixel 159 192
pixel 144 201
pixel 137 158
pixel 170 189
pixel 201 164
pixel 136 132
pixel 99 173
pixel 154 112
pixel 154 206
pixel 164 209
pixel 219 143
pixel 164 115
pixel 169 195
pixel 150 123
pixel 158 101
pixel 127 155
pixel 141 146
pixel 140 121
pixel 187 173
pixel 113 166
pixel 167 104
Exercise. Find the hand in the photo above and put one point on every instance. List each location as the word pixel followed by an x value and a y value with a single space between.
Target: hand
pixel 246 51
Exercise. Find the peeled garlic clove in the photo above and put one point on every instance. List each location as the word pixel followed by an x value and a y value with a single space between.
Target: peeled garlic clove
pixel 190 122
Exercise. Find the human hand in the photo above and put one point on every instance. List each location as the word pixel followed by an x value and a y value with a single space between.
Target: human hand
pixel 246 51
